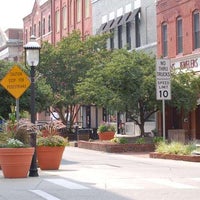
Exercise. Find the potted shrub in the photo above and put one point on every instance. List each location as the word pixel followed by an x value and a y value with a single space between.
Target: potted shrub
pixel 15 153
pixel 50 148
pixel 106 131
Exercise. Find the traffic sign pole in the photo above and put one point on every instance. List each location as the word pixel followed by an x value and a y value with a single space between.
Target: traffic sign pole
pixel 163 107
pixel 163 85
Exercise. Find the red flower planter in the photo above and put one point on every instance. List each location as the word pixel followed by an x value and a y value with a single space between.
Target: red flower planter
pixel 49 158
pixel 106 135
pixel 15 162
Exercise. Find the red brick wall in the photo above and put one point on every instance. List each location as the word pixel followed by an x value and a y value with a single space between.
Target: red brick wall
pixel 168 11
pixel 39 12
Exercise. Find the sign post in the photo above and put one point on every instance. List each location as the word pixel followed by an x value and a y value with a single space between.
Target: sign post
pixel 163 85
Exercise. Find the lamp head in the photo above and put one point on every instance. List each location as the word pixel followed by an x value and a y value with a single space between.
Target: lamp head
pixel 32 50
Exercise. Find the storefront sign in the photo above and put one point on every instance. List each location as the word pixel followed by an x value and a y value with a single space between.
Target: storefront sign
pixel 187 64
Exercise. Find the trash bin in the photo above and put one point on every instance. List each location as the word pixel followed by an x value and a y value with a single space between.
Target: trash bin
pixel 83 134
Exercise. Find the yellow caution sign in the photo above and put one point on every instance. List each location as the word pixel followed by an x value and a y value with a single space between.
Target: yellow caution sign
pixel 16 82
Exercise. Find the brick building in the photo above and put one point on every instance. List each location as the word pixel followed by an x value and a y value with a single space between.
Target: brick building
pixel 50 20
pixel 178 38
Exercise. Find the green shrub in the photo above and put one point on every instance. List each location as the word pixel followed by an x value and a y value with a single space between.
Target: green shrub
pixel 54 140
pixel 140 140
pixel 119 140
pixel 106 127
pixel 157 140
pixel 175 148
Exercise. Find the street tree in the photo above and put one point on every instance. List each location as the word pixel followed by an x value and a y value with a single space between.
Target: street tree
pixel 64 65
pixel 126 84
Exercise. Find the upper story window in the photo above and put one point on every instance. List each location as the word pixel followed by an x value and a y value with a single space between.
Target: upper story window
pixel 119 36
pixel 137 30
pixel 34 30
pixel 78 10
pixel 112 39
pixel 64 17
pixel 128 35
pixel 30 31
pixel 43 26
pixel 39 29
pixel 71 13
pixel 26 36
pixel 49 23
pixel 164 40
pixel 57 21
pixel 87 8
pixel 179 35
pixel 196 30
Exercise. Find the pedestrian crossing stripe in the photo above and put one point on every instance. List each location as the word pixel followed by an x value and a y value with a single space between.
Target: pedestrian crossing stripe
pixel 45 195
pixel 67 184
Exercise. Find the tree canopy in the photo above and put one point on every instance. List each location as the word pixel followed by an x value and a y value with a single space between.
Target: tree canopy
pixel 65 65
pixel 126 83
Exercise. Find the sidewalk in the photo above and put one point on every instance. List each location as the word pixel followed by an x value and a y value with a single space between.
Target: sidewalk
pixel 137 154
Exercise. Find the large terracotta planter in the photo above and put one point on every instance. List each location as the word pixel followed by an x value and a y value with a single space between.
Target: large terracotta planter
pixel 15 162
pixel 49 158
pixel 106 135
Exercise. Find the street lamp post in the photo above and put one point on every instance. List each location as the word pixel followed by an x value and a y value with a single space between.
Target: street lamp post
pixel 32 53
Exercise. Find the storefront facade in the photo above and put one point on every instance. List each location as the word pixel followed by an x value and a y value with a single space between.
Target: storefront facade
pixel 178 28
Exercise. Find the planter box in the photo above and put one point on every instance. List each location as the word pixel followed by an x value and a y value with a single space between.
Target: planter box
pixel 109 135
pixel 190 158
pixel 116 148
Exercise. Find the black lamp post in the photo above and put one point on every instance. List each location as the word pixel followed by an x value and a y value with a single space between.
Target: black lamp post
pixel 32 54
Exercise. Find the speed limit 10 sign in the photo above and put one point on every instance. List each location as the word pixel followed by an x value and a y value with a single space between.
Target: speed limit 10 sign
pixel 163 79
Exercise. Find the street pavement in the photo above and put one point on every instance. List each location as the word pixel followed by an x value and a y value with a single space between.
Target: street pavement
pixel 86 174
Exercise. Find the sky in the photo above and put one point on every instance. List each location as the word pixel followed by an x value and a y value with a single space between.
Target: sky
pixel 12 13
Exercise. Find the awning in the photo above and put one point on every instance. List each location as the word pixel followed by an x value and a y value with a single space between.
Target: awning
pixel 132 15
pixel 102 27
pixel 116 22
pixel 123 19
pixel 108 25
